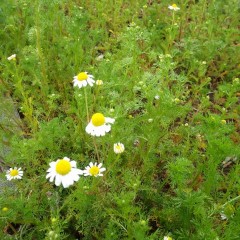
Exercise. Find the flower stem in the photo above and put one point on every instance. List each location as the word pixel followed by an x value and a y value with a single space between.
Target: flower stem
pixel 95 145
pixel 232 200
pixel 221 207
pixel 86 103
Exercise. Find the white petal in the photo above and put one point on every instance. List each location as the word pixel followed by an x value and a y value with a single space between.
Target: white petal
pixel 84 83
pixel 51 179
pixel 58 180
pixel 52 164
pixel 102 169
pixel 67 181
pixel 48 175
pixel 73 164
pixel 75 177
pixel 89 128
pixel 109 120
pixel 107 128
pixel 100 131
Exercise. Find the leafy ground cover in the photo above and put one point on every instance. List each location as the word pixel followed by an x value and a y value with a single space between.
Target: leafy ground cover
pixel 169 79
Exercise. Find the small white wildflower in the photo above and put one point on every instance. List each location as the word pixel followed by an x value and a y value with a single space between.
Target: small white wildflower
pixel 94 170
pixel 64 172
pixel 83 79
pixel 14 173
pixel 150 120
pixel 157 97
pixel 118 148
pixel 174 7
pixel 99 125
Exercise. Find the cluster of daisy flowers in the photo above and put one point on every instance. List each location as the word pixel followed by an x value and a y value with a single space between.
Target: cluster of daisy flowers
pixel 99 125
pixel 64 171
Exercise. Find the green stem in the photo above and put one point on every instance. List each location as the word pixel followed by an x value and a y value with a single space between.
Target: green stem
pixel 232 200
pixel 221 207
pixel 86 104
pixel 95 145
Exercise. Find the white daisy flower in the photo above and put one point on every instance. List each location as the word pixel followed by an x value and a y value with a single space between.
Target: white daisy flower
pixel 64 171
pixel 83 79
pixel 118 148
pixel 12 57
pixel 99 125
pixel 99 82
pixel 174 7
pixel 94 170
pixel 14 173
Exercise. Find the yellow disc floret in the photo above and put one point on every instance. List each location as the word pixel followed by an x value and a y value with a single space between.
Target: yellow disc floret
pixel 63 167
pixel 174 5
pixel 94 170
pixel 13 173
pixel 118 147
pixel 98 119
pixel 82 76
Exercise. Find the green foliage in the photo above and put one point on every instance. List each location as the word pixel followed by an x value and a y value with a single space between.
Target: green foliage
pixel 171 82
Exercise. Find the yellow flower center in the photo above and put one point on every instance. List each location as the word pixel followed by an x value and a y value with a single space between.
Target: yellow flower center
pixel 63 167
pixel 98 119
pixel 82 76
pixel 174 5
pixel 13 172
pixel 119 147
pixel 94 170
